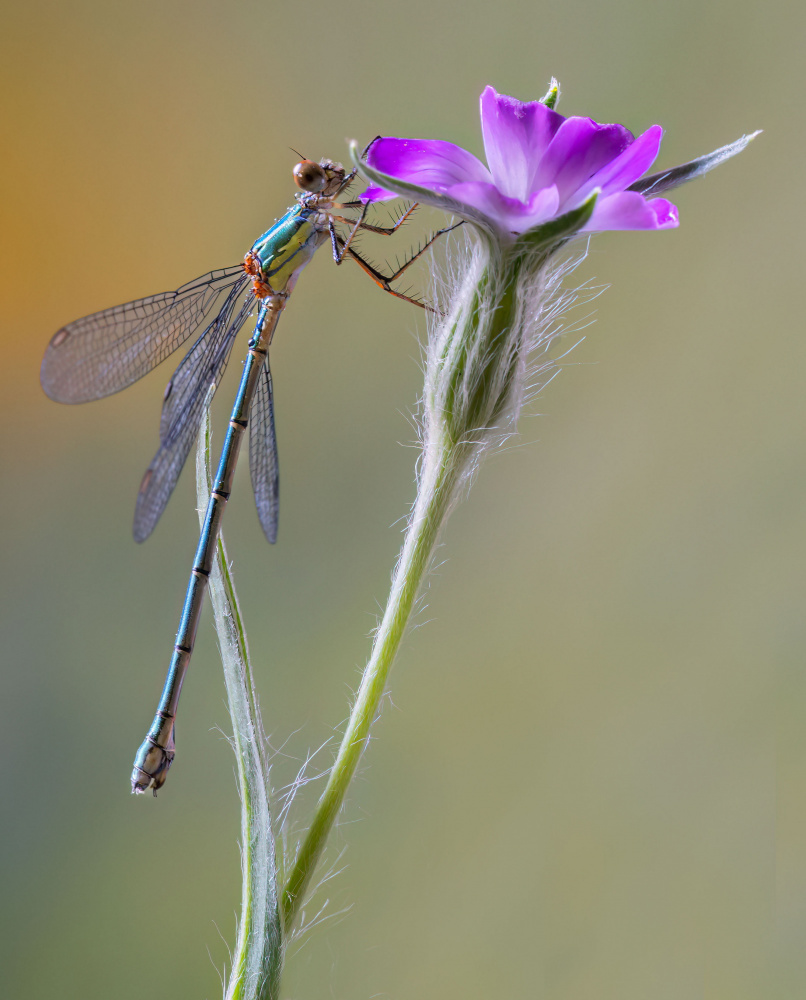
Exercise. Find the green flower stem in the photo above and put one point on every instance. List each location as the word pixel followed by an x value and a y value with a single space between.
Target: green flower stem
pixel 437 490
pixel 257 959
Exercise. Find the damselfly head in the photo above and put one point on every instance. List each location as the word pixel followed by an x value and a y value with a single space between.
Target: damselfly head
pixel 323 178
pixel 310 176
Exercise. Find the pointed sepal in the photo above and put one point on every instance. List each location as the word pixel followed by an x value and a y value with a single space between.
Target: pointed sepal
pixel 557 231
pixel 666 179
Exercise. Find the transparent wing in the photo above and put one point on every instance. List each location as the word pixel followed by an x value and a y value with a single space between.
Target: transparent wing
pixel 212 352
pixel 103 353
pixel 263 455
pixel 197 369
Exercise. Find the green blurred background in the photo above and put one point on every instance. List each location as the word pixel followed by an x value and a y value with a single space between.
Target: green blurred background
pixel 590 782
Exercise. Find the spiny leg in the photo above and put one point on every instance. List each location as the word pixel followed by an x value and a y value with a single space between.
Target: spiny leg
pixel 360 224
pixel 341 249
pixel 348 180
pixel 356 224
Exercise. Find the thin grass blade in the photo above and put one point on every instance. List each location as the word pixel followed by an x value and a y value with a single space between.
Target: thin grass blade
pixel 258 956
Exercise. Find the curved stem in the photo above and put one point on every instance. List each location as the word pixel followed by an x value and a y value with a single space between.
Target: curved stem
pixel 436 492
pixel 258 955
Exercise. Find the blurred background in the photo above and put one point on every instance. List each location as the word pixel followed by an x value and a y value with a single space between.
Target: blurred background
pixel 590 780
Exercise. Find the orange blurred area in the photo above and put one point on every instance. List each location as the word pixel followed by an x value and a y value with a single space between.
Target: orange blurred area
pixel 588 783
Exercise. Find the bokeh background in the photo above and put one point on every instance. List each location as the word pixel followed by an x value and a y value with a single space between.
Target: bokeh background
pixel 590 782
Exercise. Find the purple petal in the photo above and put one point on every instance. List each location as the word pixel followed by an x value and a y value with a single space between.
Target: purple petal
pixel 376 194
pixel 430 163
pixel 627 167
pixel 516 134
pixel 510 215
pixel 579 149
pixel 630 210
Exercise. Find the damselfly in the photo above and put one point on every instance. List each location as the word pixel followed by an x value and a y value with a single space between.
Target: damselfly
pixel 103 353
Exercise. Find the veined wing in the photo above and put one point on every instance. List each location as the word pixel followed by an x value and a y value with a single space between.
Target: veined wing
pixel 197 369
pixel 107 351
pixel 181 430
pixel 263 455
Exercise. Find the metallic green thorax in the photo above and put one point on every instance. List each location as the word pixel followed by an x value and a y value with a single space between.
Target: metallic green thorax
pixel 288 246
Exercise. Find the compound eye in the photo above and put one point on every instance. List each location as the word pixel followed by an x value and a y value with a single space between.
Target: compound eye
pixel 310 176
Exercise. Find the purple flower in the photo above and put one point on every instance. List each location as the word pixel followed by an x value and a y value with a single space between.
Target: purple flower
pixel 540 167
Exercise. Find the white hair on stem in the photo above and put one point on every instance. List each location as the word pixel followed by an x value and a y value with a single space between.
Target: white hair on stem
pixel 483 404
